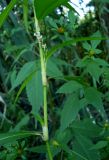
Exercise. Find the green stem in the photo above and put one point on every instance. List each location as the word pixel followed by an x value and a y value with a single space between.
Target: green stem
pixel 49 151
pixel 44 83
pixel 45 106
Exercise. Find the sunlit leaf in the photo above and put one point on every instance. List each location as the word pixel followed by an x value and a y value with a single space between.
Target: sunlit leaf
pixel 6 11
pixel 43 8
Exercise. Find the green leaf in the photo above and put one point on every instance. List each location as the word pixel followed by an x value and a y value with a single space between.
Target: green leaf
pixel 99 145
pixel 70 87
pixel 72 18
pixel 6 11
pixel 43 8
pixel 52 22
pixel 87 128
pixel 63 137
pixel 13 76
pixel 34 92
pixel 83 62
pixel 22 123
pixel 25 71
pixel 8 138
pixel 86 46
pixel 96 73
pixel 94 97
pixel 74 156
pixel 70 110
pixel 90 64
pixel 101 62
pixel 59 62
pixel 82 146
pixel 52 69
pixel 25 13
pixel 97 42
pixel 23 86
pixel 97 51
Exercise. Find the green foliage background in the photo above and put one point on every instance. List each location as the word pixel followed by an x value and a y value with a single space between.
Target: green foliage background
pixel 76 52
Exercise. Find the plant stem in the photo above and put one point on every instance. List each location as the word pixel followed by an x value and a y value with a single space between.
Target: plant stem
pixel 44 79
pixel 45 106
pixel 44 83
pixel 49 151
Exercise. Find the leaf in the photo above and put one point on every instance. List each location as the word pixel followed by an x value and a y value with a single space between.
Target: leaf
pixel 24 72
pixel 25 13
pixel 83 62
pixel 34 92
pixel 97 51
pixel 96 73
pixel 97 42
pixel 22 123
pixel 6 138
pixel 52 69
pixel 99 145
pixel 70 87
pixel 72 18
pixel 94 97
pixel 69 113
pixel 43 8
pixel 87 128
pixel 101 62
pixel 6 11
pixel 70 110
pixel 52 22
pixel 82 146
pixel 86 46
pixel 59 62
pixel 74 155
pixel 13 76
pixel 63 137
pixel 23 86
pixel 90 64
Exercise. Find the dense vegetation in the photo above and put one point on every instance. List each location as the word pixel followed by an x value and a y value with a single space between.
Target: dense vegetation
pixel 54 81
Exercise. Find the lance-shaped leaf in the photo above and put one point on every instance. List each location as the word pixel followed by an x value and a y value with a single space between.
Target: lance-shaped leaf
pixel 25 13
pixel 82 146
pixel 44 7
pixel 34 92
pixel 8 138
pixel 70 87
pixel 27 69
pixel 6 11
pixel 70 110
pixel 94 97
